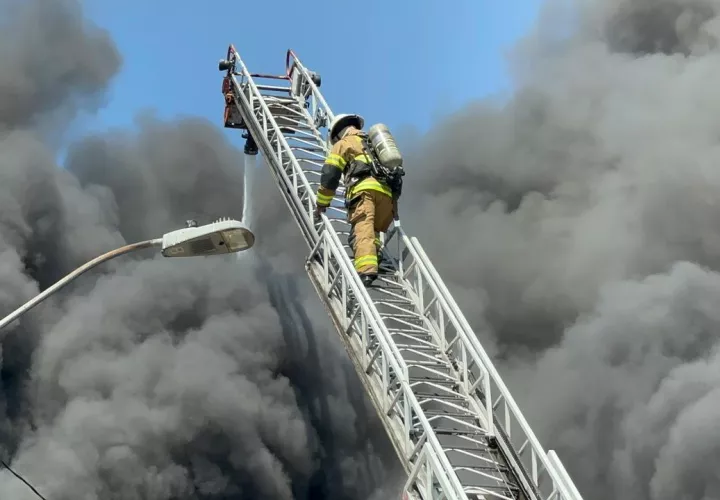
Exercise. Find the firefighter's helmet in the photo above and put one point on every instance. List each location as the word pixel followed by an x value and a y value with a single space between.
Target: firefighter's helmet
pixel 342 121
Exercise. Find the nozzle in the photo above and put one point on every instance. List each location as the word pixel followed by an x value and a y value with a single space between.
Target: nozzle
pixel 251 148
pixel 224 65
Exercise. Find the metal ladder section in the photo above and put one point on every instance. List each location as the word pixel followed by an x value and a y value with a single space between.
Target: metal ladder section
pixel 453 423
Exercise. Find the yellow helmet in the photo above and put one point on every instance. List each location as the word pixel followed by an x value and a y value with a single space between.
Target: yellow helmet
pixel 342 121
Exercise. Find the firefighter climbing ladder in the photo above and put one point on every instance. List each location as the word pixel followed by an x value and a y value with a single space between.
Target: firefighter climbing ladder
pixel 451 419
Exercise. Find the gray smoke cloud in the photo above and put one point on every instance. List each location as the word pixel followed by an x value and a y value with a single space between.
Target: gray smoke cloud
pixel 587 243
pixel 587 209
pixel 153 378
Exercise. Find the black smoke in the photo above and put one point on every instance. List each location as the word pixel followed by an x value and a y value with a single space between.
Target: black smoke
pixel 153 378
pixel 578 224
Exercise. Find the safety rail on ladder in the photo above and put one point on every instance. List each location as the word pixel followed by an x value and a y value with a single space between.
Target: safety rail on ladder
pixel 453 422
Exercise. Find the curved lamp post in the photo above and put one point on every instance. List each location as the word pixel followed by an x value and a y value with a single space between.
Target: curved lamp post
pixel 221 237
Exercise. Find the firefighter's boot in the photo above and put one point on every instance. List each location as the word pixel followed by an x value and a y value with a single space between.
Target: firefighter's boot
pixel 367 278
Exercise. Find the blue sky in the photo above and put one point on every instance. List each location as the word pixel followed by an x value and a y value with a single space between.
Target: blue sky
pixel 414 60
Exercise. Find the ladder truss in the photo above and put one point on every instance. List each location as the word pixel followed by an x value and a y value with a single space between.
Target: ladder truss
pixel 452 421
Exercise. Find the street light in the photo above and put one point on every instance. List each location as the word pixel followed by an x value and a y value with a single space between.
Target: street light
pixel 221 237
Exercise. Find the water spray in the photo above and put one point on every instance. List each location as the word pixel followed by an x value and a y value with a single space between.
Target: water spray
pixel 250 164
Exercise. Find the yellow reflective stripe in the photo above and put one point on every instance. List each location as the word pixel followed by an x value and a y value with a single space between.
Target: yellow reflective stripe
pixel 368 260
pixel 336 161
pixel 363 158
pixel 324 199
pixel 371 184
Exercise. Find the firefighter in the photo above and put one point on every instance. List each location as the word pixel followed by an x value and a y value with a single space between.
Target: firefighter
pixel 371 203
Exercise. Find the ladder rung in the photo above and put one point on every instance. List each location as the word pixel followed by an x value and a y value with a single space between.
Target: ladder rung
pixel 274 100
pixel 430 380
pixel 427 363
pixel 411 332
pixel 444 431
pixel 275 88
pixel 445 413
pixel 416 347
pixel 470 449
pixel 444 397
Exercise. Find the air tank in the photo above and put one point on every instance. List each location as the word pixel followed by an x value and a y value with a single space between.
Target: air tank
pixel 384 145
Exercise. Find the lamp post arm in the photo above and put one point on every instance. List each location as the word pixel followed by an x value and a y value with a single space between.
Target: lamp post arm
pixel 74 274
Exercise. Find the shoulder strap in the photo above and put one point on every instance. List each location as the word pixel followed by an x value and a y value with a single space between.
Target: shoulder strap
pixel 375 165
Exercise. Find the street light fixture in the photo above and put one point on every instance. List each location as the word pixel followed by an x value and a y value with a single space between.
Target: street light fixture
pixel 221 237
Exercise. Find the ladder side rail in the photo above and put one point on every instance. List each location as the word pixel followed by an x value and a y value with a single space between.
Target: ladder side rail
pixel 473 345
pixel 564 477
pixel 421 463
pixel 357 333
pixel 427 466
pixel 440 315
pixel 303 213
pixel 318 110
pixel 396 360
pixel 319 100
pixel 318 107
pixel 363 299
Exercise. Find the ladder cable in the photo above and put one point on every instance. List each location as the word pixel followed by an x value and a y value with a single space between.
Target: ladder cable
pixel 27 483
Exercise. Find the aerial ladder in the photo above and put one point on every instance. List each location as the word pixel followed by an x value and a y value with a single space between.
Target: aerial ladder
pixel 452 421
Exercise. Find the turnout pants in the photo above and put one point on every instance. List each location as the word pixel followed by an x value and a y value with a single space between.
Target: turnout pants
pixel 369 215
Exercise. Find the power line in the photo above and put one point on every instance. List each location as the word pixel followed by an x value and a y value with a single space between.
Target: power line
pixel 4 464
